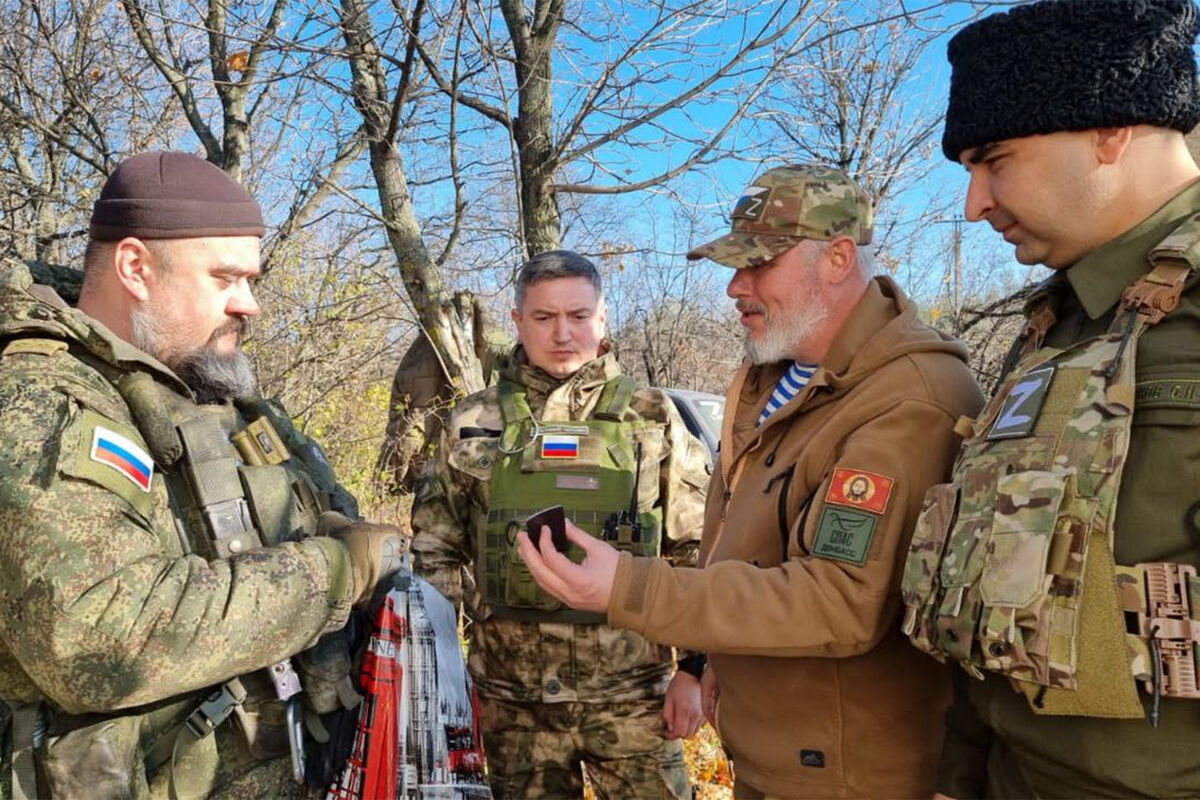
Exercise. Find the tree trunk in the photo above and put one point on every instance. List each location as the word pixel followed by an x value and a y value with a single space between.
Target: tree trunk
pixel 447 324
pixel 533 45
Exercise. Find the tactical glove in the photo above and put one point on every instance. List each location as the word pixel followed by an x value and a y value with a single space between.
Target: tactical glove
pixel 376 551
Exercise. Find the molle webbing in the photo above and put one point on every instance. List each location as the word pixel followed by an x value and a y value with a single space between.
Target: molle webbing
pixel 996 569
pixel 1162 611
pixel 595 480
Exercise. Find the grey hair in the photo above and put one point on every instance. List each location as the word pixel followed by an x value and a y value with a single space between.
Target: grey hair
pixel 864 255
pixel 556 264
pixel 866 259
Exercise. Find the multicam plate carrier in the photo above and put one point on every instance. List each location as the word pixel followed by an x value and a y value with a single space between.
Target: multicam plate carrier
pixel 996 569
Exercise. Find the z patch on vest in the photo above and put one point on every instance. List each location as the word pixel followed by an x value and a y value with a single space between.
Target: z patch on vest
pixel 844 534
pixel 855 488
pixel 1022 406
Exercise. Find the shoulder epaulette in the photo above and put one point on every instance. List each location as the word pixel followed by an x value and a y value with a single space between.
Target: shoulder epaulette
pixel 1182 245
pixel 44 347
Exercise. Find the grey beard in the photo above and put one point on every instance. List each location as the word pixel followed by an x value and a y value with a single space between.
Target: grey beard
pixel 212 377
pixel 783 334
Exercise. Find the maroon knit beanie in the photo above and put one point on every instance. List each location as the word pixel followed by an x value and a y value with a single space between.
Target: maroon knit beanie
pixel 172 196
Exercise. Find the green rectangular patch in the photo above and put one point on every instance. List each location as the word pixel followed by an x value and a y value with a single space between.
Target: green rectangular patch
pixel 844 534
pixel 1168 393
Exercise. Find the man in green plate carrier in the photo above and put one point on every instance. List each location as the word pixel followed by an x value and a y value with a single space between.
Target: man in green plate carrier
pixel 177 561
pixel 1059 567
pixel 565 427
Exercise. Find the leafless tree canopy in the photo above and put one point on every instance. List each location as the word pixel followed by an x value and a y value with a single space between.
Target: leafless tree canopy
pixel 406 150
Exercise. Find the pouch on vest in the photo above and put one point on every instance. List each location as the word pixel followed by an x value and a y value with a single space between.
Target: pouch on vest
pixel 1024 584
pixel 920 584
pixel 590 467
pixel 99 760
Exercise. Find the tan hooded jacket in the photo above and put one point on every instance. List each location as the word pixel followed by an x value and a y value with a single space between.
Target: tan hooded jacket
pixel 806 530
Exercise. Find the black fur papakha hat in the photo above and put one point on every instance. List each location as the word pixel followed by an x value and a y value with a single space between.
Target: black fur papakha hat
pixel 1069 65
pixel 164 195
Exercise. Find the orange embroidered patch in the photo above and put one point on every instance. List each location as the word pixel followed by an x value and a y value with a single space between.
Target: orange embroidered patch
pixel 857 489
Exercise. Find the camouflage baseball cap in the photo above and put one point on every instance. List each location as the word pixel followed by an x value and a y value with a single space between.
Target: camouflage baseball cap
pixel 785 205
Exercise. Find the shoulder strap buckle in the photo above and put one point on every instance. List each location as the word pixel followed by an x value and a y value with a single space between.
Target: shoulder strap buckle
pixel 1156 293
pixel 216 708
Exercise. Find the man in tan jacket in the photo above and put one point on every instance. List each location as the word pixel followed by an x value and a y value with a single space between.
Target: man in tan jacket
pixel 840 419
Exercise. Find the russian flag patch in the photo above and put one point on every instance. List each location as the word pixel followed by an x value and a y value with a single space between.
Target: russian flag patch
pixel 114 450
pixel 560 447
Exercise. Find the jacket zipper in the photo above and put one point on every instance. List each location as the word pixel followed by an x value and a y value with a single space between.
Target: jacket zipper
pixel 781 508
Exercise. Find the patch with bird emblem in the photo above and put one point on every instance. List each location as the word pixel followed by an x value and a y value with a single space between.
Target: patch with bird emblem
pixel 844 534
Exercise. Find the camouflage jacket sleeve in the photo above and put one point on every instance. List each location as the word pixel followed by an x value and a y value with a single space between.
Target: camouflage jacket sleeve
pixel 102 608
pixel 683 480
pixel 440 521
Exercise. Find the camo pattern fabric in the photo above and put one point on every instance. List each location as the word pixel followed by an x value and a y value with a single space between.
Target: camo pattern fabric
pixel 534 751
pixel 103 610
pixel 1131 589
pixel 421 399
pixel 994 576
pixel 785 205
pixel 551 662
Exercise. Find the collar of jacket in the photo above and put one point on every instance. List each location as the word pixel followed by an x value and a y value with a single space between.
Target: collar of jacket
pixel 883 327
pixel 30 309
pixel 1099 277
pixel 540 384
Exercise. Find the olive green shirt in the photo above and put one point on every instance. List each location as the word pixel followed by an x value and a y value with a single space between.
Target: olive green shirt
pixel 995 745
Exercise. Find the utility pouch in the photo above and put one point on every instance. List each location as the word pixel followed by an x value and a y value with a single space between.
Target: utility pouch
pixel 99 760
pixel 263 722
pixel 260 444
pixel 1032 544
pixel 959 607
pixel 327 673
pixel 920 586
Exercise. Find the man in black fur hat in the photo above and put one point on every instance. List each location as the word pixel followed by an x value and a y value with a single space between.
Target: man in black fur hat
pixel 1059 568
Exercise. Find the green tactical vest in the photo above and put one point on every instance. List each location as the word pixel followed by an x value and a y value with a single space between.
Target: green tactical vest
pixel 1001 557
pixel 238 478
pixel 591 468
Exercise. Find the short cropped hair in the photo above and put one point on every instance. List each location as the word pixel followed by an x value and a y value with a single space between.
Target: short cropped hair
pixel 556 264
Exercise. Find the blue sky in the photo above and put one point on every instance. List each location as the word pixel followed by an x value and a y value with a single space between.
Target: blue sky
pixel 712 190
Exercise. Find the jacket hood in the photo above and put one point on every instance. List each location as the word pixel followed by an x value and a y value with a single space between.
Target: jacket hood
pixel 594 374
pixel 883 328
pixel 32 309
